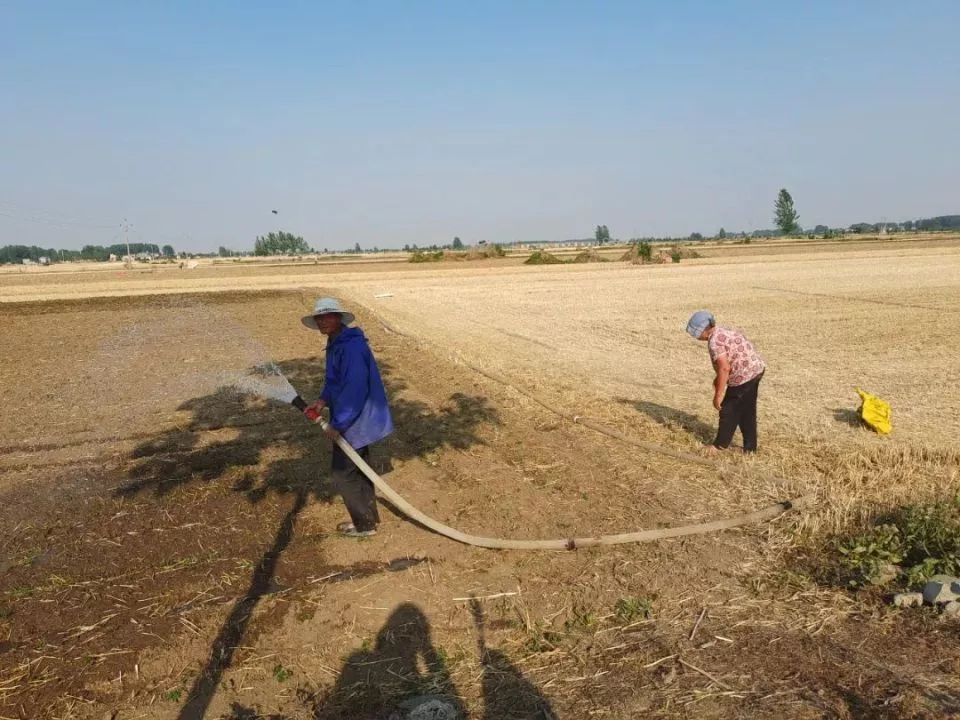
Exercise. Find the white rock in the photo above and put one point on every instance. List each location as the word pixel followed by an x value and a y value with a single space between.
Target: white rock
pixel 951 608
pixel 940 589
pixel 434 710
pixel 905 600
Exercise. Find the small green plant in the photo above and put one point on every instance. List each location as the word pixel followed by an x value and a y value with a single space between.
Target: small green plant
pixel 443 660
pixel 582 619
pixel 675 255
pixel 645 251
pixel 180 564
pixel 631 609
pixel 172 695
pixel 541 640
pixel 281 674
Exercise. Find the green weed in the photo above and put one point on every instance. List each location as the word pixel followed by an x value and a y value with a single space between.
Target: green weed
pixel 920 540
pixel 582 620
pixel 631 609
pixel 540 639
pixel 21 592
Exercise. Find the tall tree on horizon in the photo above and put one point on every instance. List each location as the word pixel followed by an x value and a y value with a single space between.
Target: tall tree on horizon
pixel 785 215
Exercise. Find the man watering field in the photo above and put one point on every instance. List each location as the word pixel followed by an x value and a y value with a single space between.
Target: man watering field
pixel 739 369
pixel 354 394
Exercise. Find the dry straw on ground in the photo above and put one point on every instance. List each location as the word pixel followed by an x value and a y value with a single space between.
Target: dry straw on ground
pixel 711 626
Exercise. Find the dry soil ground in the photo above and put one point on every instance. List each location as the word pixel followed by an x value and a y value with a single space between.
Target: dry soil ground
pixel 167 547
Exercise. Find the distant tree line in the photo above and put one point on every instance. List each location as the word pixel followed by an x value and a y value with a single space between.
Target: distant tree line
pixel 19 253
pixel 285 243
pixel 940 222
pixel 457 244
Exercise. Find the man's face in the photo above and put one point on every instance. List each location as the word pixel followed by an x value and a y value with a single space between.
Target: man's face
pixel 329 323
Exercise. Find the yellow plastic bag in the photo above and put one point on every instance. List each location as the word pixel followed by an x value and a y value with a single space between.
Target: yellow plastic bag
pixel 875 412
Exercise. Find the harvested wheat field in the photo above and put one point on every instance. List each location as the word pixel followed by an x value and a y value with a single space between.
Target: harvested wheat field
pixel 169 547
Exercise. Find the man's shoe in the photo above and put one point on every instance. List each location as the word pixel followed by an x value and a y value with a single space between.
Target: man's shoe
pixel 348 530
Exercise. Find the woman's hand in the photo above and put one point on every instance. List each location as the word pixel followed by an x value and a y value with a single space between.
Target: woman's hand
pixel 717 402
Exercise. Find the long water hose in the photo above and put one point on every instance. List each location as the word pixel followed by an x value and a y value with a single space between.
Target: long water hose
pixel 767 513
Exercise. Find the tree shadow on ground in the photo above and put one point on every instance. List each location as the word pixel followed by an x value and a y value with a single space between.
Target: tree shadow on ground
pixel 669 417
pixel 507 694
pixel 229 430
pixel 254 427
pixel 375 681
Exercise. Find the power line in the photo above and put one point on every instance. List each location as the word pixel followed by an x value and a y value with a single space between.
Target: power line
pixel 43 217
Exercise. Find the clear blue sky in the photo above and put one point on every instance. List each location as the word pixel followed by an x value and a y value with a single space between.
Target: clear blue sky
pixel 398 122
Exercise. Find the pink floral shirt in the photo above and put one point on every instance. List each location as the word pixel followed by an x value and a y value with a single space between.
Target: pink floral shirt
pixel 745 361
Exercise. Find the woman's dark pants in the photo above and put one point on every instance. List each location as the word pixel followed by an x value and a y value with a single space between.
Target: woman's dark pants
pixel 355 489
pixel 739 408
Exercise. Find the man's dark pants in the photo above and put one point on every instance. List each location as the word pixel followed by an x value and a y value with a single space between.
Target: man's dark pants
pixel 739 408
pixel 355 489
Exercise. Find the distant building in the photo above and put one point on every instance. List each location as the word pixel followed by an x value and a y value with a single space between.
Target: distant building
pixel 28 261
pixel 43 260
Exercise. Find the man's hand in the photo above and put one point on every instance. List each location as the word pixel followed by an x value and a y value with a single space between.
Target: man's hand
pixel 313 410
pixel 331 432
pixel 717 402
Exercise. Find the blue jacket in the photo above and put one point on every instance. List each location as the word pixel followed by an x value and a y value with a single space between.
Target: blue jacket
pixel 354 391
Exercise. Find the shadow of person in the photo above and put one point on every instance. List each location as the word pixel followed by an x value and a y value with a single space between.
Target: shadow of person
pixel 670 417
pixel 402 664
pixel 507 694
